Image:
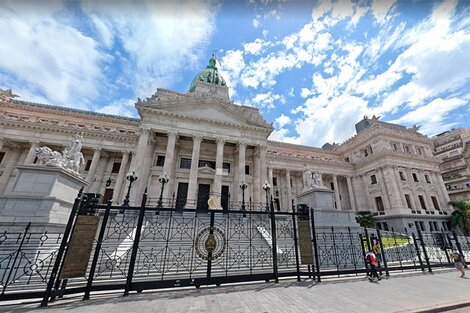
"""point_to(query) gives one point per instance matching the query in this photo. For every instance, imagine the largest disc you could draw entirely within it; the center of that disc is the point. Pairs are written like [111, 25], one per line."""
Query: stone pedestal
[41, 195]
[322, 200]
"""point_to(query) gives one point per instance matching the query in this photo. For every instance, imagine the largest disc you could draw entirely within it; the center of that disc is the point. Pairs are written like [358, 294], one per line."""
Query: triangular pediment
[225, 112]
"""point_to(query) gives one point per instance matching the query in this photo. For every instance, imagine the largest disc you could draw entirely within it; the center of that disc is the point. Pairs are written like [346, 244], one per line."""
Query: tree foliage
[460, 217]
[365, 218]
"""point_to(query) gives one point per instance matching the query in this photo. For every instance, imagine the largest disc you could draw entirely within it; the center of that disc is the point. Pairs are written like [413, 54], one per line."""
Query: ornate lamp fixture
[163, 179]
[131, 177]
[266, 188]
[243, 186]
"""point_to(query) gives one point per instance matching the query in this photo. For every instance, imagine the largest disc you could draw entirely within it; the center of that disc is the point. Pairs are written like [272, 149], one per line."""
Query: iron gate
[145, 247]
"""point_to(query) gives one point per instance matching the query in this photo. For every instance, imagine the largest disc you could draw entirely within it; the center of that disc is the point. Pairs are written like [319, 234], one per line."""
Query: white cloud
[282, 120]
[178, 29]
[381, 10]
[232, 63]
[282, 135]
[267, 100]
[121, 107]
[47, 57]
[329, 121]
[433, 116]
[255, 47]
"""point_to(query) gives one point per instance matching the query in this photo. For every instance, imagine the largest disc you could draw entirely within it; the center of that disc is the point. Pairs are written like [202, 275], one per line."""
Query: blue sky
[313, 68]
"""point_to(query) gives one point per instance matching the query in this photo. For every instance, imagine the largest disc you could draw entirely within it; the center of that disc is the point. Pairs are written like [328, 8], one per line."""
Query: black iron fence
[151, 247]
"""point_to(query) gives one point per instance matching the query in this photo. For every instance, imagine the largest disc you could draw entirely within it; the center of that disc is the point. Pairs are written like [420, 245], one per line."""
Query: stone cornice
[376, 157]
[156, 111]
[67, 130]
[305, 159]
[63, 111]
[377, 130]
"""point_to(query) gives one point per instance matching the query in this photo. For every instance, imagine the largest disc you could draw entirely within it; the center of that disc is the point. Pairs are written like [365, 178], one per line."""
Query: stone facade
[453, 148]
[207, 144]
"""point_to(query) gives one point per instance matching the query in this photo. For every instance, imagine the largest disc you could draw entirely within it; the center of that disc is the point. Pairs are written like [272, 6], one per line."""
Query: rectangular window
[185, 163]
[408, 201]
[415, 177]
[346, 159]
[421, 224]
[373, 180]
[394, 147]
[291, 185]
[274, 181]
[332, 186]
[444, 225]
[160, 160]
[379, 203]
[385, 226]
[431, 226]
[247, 170]
[435, 203]
[407, 149]
[418, 149]
[428, 180]
[402, 176]
[88, 164]
[435, 226]
[2, 155]
[379, 226]
[226, 167]
[204, 163]
[421, 201]
[116, 167]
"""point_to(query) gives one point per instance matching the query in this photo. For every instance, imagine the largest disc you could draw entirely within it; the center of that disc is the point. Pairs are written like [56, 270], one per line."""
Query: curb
[439, 308]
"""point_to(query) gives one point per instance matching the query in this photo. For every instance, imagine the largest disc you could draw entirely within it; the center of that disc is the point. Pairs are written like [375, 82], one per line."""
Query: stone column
[31, 153]
[137, 165]
[270, 176]
[263, 167]
[257, 179]
[441, 190]
[289, 192]
[11, 160]
[192, 188]
[385, 192]
[241, 168]
[169, 162]
[219, 159]
[368, 200]
[100, 173]
[337, 198]
[396, 201]
[94, 164]
[351, 193]
[121, 178]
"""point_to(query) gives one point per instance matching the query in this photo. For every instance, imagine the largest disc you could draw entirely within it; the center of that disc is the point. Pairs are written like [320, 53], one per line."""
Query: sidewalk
[409, 293]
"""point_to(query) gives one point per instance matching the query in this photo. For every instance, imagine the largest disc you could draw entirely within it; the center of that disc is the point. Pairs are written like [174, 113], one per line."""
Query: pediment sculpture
[70, 159]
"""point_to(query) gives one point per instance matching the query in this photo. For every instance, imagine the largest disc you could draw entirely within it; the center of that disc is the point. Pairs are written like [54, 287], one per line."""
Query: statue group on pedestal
[311, 179]
[70, 159]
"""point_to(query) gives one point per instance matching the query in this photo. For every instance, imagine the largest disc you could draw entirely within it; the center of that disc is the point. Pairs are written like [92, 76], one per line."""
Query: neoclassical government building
[207, 144]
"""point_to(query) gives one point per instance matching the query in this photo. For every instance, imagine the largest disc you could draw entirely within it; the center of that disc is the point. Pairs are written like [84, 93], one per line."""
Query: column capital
[145, 131]
[172, 133]
[220, 140]
[197, 138]
[97, 149]
[242, 144]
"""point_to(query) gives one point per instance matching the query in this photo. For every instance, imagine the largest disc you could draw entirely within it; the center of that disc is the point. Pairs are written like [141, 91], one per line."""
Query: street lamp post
[131, 177]
[266, 188]
[163, 179]
[243, 186]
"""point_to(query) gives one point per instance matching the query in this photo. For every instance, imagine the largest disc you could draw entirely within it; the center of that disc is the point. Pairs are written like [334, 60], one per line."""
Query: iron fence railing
[148, 247]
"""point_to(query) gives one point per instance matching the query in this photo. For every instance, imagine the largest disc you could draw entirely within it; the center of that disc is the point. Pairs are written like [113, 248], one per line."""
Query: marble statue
[311, 179]
[71, 158]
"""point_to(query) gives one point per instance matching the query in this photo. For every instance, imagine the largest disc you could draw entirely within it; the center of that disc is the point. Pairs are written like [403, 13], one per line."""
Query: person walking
[459, 262]
[372, 260]
[377, 252]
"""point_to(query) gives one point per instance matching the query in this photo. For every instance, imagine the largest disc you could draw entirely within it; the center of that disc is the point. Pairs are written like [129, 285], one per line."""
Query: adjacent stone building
[208, 145]
[453, 148]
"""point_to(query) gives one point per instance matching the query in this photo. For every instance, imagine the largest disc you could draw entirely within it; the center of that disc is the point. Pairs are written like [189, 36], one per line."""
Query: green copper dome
[208, 75]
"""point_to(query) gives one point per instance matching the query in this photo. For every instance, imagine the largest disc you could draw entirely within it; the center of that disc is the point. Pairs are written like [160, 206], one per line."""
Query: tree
[460, 218]
[365, 218]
